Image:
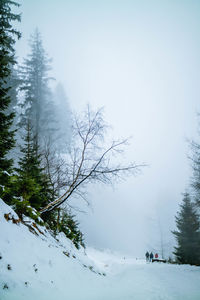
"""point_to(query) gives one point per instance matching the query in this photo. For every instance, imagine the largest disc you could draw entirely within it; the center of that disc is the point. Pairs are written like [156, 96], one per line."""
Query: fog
[140, 61]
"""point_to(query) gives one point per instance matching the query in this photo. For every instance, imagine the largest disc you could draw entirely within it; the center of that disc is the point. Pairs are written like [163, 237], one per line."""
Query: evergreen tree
[188, 233]
[37, 105]
[67, 224]
[7, 41]
[29, 187]
[33, 184]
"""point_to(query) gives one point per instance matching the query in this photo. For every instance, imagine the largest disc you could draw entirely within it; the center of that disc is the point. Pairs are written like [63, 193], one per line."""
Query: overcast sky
[140, 61]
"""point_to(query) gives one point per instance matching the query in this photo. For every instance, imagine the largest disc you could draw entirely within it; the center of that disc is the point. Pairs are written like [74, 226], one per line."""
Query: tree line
[48, 155]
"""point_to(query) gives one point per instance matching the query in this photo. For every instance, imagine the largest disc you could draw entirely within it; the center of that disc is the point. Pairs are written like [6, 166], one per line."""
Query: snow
[5, 172]
[40, 270]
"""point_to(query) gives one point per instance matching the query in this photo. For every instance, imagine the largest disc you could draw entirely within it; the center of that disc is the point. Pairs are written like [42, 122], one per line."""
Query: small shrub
[5, 286]
[67, 224]
[35, 268]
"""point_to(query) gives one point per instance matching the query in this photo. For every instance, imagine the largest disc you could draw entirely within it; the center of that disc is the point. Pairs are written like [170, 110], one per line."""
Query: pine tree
[67, 224]
[37, 105]
[188, 233]
[29, 187]
[7, 60]
[33, 184]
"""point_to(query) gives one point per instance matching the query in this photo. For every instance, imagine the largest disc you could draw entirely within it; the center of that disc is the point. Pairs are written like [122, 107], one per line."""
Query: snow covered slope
[36, 266]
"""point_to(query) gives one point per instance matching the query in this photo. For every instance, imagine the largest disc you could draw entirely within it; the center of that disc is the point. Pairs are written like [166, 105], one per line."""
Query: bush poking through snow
[66, 253]
[5, 286]
[35, 268]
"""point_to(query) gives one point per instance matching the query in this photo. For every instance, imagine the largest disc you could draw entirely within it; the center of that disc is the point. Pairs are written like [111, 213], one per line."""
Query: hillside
[34, 265]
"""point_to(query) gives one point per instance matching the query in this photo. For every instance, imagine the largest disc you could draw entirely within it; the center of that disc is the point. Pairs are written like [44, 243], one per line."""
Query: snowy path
[136, 280]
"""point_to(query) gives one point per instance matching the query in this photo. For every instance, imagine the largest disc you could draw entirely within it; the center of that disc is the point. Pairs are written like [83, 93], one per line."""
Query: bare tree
[88, 160]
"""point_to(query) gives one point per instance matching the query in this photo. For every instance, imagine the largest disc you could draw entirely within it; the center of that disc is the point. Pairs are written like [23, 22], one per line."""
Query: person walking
[151, 257]
[147, 256]
[156, 255]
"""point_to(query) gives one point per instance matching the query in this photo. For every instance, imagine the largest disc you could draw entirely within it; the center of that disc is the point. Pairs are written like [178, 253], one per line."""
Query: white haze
[140, 60]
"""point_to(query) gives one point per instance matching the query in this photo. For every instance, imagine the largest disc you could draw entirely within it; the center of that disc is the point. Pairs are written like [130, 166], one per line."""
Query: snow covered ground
[40, 267]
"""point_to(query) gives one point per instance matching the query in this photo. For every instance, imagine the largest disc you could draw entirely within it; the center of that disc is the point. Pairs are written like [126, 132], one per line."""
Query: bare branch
[89, 161]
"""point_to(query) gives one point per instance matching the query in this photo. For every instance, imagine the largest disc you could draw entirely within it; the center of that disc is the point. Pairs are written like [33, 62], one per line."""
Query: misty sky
[140, 61]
